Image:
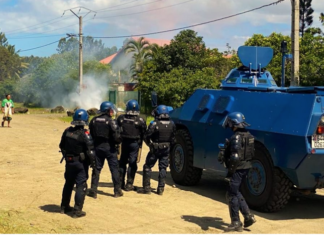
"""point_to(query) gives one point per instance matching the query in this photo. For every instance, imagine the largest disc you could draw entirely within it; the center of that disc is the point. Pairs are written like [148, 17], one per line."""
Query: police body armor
[74, 142]
[130, 127]
[241, 149]
[163, 132]
[101, 128]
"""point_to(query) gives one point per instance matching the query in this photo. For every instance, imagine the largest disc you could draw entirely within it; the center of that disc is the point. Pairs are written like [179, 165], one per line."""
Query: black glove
[140, 143]
[221, 156]
[151, 148]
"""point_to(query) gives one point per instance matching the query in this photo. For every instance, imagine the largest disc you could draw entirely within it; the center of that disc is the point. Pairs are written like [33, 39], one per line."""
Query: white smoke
[94, 92]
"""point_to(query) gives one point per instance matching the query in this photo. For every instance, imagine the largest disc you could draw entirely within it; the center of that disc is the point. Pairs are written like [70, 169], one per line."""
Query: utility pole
[80, 53]
[80, 40]
[295, 42]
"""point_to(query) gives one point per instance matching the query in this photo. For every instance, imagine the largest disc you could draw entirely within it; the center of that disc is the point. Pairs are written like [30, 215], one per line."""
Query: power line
[170, 30]
[116, 16]
[41, 46]
[14, 31]
[190, 26]
[118, 9]
[48, 36]
[9, 32]
[117, 5]
[136, 13]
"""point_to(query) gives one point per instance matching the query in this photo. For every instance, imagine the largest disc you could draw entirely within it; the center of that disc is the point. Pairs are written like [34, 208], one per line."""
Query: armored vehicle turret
[287, 122]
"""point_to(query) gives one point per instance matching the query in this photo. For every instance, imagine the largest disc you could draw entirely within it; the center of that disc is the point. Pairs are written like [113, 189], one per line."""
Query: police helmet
[235, 119]
[162, 111]
[80, 118]
[132, 107]
[106, 106]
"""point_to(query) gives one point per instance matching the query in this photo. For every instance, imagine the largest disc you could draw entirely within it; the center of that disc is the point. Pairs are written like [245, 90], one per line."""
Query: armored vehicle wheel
[266, 188]
[181, 161]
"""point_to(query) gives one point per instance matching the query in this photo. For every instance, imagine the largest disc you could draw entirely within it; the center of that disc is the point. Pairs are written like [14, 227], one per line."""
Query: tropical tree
[311, 70]
[142, 51]
[305, 15]
[321, 18]
[11, 63]
[92, 49]
[176, 70]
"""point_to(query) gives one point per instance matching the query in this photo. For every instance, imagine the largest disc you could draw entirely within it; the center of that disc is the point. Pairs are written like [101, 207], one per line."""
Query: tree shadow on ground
[214, 187]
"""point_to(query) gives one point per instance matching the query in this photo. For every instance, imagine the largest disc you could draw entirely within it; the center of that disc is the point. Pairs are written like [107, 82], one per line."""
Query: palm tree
[142, 51]
[321, 18]
[306, 18]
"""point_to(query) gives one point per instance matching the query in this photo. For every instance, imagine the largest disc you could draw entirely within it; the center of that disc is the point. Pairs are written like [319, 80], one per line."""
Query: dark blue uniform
[106, 136]
[160, 136]
[238, 158]
[133, 128]
[76, 143]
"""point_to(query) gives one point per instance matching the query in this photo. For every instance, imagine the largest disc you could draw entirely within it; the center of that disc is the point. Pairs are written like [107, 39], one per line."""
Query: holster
[71, 158]
[156, 146]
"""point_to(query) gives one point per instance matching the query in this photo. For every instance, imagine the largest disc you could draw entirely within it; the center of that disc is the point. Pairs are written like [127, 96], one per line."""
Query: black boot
[160, 190]
[145, 190]
[92, 193]
[118, 193]
[66, 209]
[249, 220]
[234, 226]
[129, 187]
[146, 181]
[122, 174]
[78, 213]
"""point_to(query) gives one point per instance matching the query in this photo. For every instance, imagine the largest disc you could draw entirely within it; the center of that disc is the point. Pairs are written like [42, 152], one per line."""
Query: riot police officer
[238, 153]
[77, 148]
[160, 136]
[106, 136]
[133, 128]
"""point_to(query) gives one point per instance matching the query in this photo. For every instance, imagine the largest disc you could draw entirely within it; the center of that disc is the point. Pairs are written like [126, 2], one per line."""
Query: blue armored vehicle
[287, 122]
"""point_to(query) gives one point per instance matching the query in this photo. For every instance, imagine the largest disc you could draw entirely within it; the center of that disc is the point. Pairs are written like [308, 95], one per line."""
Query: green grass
[12, 222]
[32, 109]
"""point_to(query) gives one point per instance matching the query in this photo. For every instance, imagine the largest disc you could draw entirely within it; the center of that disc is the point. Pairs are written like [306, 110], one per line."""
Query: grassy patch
[32, 109]
[12, 222]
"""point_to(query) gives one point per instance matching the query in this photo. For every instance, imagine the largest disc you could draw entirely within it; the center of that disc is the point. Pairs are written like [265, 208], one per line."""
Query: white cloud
[31, 12]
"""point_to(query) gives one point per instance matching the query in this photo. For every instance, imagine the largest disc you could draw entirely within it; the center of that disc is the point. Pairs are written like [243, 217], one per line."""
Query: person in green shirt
[7, 109]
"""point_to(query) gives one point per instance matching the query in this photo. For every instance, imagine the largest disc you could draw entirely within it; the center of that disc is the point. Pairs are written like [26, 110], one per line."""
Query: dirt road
[32, 181]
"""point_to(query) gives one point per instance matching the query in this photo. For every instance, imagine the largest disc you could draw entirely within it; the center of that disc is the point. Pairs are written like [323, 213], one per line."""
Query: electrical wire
[117, 5]
[109, 17]
[191, 26]
[170, 30]
[41, 46]
[10, 32]
[136, 13]
[54, 20]
[48, 36]
[138, 5]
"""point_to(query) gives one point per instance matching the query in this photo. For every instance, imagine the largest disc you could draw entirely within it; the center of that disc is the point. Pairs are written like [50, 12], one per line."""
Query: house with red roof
[121, 62]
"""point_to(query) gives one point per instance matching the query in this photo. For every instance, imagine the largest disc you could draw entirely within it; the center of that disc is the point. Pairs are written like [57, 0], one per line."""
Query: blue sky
[32, 23]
